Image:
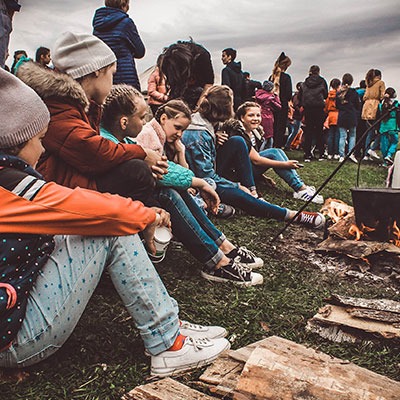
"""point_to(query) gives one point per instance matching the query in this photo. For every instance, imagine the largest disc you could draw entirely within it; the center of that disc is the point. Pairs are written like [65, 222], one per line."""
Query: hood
[262, 94]
[235, 66]
[332, 94]
[200, 124]
[106, 18]
[313, 81]
[47, 83]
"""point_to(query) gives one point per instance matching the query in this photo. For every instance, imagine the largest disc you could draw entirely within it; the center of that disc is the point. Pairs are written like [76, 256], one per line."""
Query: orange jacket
[330, 108]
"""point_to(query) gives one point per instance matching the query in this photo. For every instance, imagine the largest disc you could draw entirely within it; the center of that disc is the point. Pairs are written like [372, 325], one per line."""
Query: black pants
[132, 179]
[314, 122]
[280, 123]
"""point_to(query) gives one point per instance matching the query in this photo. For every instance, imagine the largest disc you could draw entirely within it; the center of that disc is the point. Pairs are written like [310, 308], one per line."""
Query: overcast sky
[340, 36]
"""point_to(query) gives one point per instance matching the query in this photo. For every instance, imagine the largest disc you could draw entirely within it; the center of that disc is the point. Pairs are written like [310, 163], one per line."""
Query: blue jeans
[295, 129]
[250, 204]
[333, 140]
[350, 135]
[192, 226]
[290, 176]
[64, 286]
[233, 161]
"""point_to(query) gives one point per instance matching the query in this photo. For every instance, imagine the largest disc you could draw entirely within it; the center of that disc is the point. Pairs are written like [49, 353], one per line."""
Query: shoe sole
[213, 278]
[163, 372]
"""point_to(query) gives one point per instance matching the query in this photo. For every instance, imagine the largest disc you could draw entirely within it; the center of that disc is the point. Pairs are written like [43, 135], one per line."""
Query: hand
[292, 164]
[162, 219]
[157, 163]
[222, 137]
[179, 146]
[210, 197]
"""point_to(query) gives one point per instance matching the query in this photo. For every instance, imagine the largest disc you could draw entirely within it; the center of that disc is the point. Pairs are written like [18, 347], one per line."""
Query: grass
[104, 358]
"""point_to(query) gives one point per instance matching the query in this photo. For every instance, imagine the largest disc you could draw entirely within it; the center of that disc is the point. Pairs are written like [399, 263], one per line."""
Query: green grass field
[104, 357]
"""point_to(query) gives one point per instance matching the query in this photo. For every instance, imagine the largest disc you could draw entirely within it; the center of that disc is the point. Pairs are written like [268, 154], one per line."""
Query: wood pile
[348, 319]
[276, 369]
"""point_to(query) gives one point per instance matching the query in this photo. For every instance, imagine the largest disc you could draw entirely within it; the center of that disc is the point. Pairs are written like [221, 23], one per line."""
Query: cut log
[244, 353]
[285, 370]
[165, 389]
[222, 376]
[375, 315]
[340, 317]
[374, 304]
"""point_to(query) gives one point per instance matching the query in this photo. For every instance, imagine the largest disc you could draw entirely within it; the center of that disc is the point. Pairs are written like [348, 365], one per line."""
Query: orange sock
[178, 344]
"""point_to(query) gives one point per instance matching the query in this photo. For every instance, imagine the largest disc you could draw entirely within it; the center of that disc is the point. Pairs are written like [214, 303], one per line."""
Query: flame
[358, 233]
[396, 234]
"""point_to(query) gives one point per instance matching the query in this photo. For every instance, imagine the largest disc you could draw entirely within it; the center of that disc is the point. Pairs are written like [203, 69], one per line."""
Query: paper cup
[162, 238]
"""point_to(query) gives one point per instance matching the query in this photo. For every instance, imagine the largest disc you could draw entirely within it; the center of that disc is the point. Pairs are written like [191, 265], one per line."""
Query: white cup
[162, 238]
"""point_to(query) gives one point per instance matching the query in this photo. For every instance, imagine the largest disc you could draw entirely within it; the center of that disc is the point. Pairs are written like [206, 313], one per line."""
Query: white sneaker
[367, 158]
[195, 353]
[336, 157]
[306, 195]
[341, 159]
[373, 154]
[330, 157]
[353, 158]
[199, 331]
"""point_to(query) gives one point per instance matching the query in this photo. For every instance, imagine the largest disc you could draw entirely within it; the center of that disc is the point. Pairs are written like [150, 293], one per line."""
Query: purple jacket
[269, 103]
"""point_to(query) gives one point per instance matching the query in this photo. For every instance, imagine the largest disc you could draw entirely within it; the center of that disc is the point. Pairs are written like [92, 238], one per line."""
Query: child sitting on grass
[53, 253]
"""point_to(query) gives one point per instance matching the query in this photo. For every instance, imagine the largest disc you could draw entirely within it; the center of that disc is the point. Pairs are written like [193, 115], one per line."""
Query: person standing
[312, 95]
[113, 26]
[7, 10]
[373, 96]
[250, 87]
[283, 88]
[232, 75]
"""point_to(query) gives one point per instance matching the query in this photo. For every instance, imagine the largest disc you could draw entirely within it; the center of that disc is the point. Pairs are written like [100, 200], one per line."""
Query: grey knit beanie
[22, 112]
[79, 54]
[268, 86]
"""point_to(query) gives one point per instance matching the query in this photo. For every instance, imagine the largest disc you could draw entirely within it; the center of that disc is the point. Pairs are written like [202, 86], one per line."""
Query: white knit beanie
[79, 54]
[22, 112]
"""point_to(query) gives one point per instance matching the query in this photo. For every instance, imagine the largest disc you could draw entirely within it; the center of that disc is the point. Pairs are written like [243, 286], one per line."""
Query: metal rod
[333, 173]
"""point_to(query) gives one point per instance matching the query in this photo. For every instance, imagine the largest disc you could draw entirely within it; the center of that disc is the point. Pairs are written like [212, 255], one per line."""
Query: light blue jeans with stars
[66, 283]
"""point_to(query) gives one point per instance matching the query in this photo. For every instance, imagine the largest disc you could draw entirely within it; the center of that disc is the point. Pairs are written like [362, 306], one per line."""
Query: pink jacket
[269, 103]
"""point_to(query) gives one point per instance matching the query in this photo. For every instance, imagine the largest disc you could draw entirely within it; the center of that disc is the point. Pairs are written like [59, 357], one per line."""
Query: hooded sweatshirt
[232, 76]
[313, 92]
[114, 27]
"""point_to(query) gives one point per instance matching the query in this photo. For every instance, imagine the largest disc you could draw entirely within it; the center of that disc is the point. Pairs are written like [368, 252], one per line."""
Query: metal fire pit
[377, 208]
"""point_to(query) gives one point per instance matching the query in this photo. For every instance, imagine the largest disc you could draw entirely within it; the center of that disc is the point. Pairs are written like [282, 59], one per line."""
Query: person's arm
[57, 210]
[152, 87]
[258, 160]
[225, 77]
[132, 36]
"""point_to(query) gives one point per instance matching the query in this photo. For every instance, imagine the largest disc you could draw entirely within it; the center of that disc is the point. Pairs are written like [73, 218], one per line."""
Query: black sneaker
[225, 211]
[233, 272]
[246, 257]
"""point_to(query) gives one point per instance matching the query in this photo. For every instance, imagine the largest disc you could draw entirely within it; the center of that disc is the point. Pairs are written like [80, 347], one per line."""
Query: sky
[340, 36]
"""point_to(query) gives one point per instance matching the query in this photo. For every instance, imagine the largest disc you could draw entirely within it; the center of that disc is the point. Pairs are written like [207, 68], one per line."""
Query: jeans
[290, 176]
[267, 143]
[389, 141]
[314, 120]
[192, 226]
[345, 134]
[333, 140]
[66, 283]
[233, 160]
[295, 129]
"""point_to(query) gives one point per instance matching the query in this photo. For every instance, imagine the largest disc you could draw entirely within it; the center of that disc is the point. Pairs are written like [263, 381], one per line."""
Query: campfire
[363, 232]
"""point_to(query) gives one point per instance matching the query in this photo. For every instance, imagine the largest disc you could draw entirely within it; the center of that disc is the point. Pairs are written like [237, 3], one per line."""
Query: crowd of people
[80, 156]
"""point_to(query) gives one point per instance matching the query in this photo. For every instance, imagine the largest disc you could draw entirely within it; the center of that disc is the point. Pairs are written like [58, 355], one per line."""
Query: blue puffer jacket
[114, 27]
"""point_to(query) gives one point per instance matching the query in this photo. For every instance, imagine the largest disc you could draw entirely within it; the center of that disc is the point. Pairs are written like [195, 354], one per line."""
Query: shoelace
[189, 325]
[198, 343]
[241, 268]
[244, 252]
[307, 218]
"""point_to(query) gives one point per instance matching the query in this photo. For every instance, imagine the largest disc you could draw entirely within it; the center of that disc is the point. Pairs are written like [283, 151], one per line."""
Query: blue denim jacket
[199, 140]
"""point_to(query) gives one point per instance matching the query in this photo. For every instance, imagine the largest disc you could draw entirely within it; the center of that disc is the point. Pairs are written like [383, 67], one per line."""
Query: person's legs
[132, 179]
[295, 129]
[189, 231]
[319, 119]
[342, 140]
[308, 133]
[250, 204]
[393, 142]
[290, 176]
[384, 144]
[351, 138]
[234, 155]
[68, 280]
